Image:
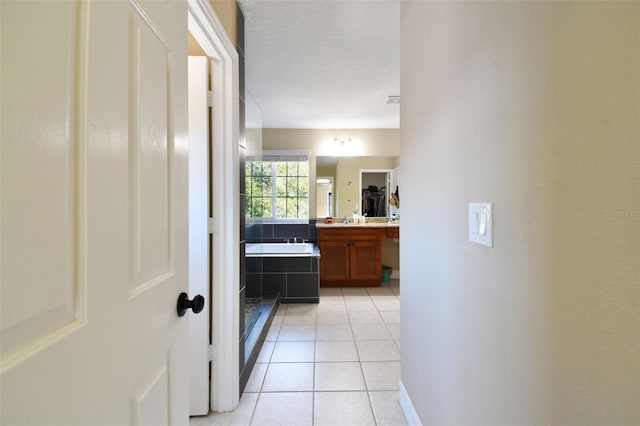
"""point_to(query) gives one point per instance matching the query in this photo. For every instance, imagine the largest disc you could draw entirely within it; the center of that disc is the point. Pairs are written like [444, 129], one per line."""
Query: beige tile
[241, 416]
[386, 408]
[279, 316]
[266, 352]
[301, 308]
[284, 409]
[354, 291]
[397, 342]
[394, 329]
[293, 352]
[342, 409]
[333, 317]
[272, 335]
[338, 376]
[365, 318]
[390, 317]
[282, 309]
[360, 306]
[387, 305]
[333, 332]
[256, 378]
[390, 298]
[331, 305]
[370, 332]
[297, 333]
[277, 320]
[379, 291]
[377, 350]
[353, 299]
[288, 377]
[381, 375]
[300, 319]
[336, 350]
[330, 291]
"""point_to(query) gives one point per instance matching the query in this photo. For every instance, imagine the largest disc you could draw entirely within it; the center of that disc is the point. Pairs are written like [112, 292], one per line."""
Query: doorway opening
[222, 218]
[374, 192]
[324, 196]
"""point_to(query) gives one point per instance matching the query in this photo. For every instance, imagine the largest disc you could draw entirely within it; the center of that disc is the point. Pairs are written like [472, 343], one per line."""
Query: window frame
[279, 157]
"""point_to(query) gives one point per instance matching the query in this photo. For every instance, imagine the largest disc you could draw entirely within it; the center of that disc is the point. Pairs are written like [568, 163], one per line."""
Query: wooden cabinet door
[334, 260]
[365, 260]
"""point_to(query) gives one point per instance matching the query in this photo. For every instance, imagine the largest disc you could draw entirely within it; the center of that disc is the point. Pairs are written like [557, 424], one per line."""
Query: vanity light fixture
[341, 140]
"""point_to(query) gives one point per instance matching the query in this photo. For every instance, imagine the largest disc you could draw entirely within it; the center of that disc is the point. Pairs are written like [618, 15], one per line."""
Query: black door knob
[196, 305]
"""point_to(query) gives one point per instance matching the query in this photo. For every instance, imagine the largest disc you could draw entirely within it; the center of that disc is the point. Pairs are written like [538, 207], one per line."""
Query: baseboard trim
[410, 414]
[395, 274]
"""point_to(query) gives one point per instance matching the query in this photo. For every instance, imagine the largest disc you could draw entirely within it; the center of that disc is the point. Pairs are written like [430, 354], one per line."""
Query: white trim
[410, 414]
[387, 171]
[207, 29]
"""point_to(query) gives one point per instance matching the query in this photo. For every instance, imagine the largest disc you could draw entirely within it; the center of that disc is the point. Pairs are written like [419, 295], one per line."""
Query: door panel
[199, 280]
[95, 220]
[365, 260]
[39, 177]
[334, 261]
[150, 147]
[150, 400]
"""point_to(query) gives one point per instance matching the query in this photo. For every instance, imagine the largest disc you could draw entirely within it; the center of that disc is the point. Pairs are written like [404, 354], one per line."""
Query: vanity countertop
[340, 224]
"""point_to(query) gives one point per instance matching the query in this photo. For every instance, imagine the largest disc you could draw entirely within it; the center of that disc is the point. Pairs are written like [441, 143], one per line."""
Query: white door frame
[207, 29]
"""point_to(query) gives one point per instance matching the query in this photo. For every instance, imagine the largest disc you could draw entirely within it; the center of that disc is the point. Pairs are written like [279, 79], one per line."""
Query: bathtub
[279, 249]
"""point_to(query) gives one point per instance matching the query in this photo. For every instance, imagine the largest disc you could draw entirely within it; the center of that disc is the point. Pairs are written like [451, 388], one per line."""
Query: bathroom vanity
[351, 254]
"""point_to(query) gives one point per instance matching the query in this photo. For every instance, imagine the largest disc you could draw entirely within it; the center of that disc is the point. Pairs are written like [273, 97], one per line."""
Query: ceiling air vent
[392, 100]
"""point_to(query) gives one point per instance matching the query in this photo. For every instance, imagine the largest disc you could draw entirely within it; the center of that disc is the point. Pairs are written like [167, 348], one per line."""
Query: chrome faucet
[346, 219]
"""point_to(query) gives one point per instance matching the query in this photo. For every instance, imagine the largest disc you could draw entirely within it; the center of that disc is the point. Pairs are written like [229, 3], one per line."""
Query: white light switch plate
[481, 223]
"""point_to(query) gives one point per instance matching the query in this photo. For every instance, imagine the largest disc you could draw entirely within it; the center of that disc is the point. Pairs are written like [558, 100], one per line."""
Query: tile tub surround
[279, 232]
[296, 278]
[311, 370]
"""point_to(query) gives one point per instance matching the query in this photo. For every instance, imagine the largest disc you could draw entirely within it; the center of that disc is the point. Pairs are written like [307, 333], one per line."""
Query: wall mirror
[341, 181]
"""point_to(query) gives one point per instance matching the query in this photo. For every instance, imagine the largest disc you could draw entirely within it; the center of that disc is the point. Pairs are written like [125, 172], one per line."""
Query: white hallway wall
[534, 106]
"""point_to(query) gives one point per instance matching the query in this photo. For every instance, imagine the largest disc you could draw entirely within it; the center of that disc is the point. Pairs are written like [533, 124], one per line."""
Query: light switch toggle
[481, 223]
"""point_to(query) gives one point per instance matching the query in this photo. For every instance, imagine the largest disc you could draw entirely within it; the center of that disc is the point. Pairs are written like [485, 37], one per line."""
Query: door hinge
[210, 353]
[211, 99]
[213, 226]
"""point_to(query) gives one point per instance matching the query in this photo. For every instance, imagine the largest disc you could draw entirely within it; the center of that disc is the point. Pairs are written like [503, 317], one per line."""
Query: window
[278, 186]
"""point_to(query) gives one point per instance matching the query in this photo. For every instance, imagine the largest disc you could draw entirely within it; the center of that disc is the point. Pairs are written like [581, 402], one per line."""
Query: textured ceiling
[323, 64]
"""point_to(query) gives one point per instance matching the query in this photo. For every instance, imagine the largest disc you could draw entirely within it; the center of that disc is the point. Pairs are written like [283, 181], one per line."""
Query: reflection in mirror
[374, 187]
[345, 172]
[324, 196]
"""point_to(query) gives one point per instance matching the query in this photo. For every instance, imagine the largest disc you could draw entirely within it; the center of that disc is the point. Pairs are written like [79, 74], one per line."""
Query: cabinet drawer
[393, 232]
[349, 234]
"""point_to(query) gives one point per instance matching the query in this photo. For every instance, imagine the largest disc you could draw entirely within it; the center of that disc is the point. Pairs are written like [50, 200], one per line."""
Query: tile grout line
[352, 339]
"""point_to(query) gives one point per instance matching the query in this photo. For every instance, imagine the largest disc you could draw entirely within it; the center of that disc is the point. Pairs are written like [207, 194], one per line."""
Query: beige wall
[193, 47]
[348, 180]
[534, 106]
[326, 171]
[367, 142]
[391, 254]
[227, 12]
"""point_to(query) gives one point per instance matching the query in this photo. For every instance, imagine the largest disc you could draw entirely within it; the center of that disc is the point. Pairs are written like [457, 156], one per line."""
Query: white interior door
[93, 214]
[199, 233]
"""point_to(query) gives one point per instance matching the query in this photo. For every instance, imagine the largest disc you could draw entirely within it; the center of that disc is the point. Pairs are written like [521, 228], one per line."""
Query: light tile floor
[334, 363]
